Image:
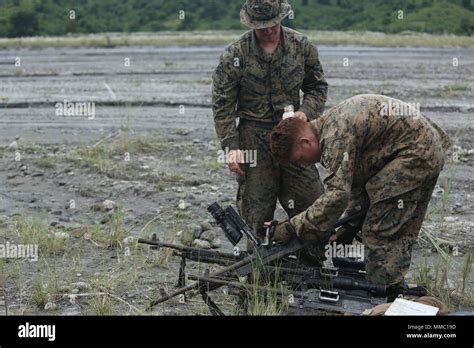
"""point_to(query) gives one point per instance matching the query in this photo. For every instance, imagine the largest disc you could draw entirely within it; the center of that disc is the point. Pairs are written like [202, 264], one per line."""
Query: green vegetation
[112, 234]
[453, 90]
[22, 18]
[43, 293]
[263, 298]
[46, 162]
[35, 231]
[114, 158]
[436, 279]
[115, 230]
[213, 165]
[101, 301]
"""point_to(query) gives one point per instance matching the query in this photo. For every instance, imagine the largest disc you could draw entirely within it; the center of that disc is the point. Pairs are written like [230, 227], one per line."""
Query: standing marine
[267, 69]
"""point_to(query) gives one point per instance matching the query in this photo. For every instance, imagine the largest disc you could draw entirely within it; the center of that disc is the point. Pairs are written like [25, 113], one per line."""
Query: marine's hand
[236, 158]
[284, 232]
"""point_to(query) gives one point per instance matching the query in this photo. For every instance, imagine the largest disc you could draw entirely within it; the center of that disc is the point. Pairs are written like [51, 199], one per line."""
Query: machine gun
[340, 288]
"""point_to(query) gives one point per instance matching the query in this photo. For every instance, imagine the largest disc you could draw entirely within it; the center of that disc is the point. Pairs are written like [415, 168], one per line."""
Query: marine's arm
[225, 90]
[315, 87]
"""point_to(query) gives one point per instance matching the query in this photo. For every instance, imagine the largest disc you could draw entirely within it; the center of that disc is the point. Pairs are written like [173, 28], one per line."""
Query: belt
[257, 124]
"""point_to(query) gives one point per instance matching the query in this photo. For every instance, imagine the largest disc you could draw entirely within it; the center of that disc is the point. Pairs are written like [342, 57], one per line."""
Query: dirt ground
[151, 150]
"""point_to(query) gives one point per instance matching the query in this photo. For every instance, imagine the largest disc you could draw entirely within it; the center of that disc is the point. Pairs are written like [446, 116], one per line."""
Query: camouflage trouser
[295, 187]
[390, 230]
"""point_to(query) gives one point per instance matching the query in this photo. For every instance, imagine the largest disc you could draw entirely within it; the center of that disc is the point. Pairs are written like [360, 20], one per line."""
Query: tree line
[60, 17]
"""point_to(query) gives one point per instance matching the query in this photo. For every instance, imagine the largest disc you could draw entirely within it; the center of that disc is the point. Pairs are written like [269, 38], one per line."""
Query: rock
[216, 243]
[182, 205]
[206, 226]
[64, 288]
[50, 306]
[451, 218]
[60, 235]
[105, 219]
[54, 223]
[108, 205]
[82, 286]
[211, 145]
[74, 291]
[71, 311]
[203, 244]
[96, 207]
[188, 158]
[195, 229]
[451, 285]
[12, 165]
[186, 237]
[57, 212]
[37, 174]
[128, 240]
[4, 220]
[13, 145]
[196, 141]
[456, 251]
[208, 236]
[438, 191]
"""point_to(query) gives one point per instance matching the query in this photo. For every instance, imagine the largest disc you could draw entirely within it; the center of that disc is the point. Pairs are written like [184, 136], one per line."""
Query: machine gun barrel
[195, 254]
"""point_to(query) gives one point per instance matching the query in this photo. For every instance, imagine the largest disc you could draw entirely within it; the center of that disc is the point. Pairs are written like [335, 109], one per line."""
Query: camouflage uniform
[383, 159]
[256, 87]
